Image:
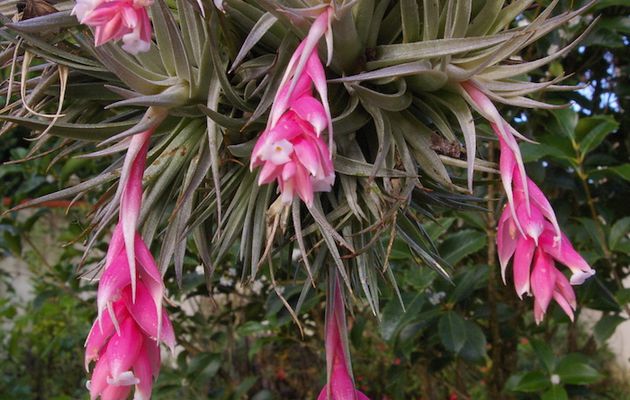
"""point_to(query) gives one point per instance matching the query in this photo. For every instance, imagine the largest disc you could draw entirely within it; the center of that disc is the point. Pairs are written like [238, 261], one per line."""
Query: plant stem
[495, 383]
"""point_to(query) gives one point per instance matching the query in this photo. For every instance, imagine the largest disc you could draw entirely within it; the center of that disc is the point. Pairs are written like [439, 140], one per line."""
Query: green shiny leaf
[452, 330]
[605, 328]
[575, 370]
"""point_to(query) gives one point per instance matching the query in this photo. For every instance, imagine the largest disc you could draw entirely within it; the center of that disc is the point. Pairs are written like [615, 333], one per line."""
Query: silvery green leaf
[256, 33]
[406, 52]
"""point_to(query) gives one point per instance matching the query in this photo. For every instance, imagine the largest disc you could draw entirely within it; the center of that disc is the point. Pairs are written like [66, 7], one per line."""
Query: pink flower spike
[564, 304]
[316, 71]
[307, 47]
[151, 278]
[340, 385]
[507, 236]
[311, 110]
[122, 352]
[100, 333]
[117, 19]
[564, 289]
[131, 197]
[543, 283]
[540, 200]
[564, 252]
[484, 105]
[144, 372]
[98, 383]
[523, 256]
[153, 354]
[507, 164]
[115, 392]
[532, 224]
[143, 310]
[113, 280]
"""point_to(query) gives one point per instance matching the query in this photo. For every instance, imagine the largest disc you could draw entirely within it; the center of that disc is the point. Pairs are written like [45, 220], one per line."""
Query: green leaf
[556, 392]
[575, 370]
[622, 170]
[395, 317]
[410, 17]
[591, 131]
[556, 146]
[544, 354]
[401, 53]
[566, 120]
[462, 244]
[91, 132]
[618, 231]
[474, 348]
[605, 328]
[452, 330]
[528, 382]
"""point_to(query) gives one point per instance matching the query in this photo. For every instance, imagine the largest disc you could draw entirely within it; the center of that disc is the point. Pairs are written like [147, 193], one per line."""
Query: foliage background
[471, 338]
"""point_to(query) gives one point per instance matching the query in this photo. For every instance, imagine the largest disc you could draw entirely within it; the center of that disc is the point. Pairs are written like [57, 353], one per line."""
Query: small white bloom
[280, 289]
[83, 7]
[574, 21]
[436, 298]
[309, 332]
[264, 322]
[226, 281]
[555, 379]
[522, 22]
[257, 287]
[50, 178]
[553, 49]
[296, 255]
[231, 272]
[278, 152]
[132, 43]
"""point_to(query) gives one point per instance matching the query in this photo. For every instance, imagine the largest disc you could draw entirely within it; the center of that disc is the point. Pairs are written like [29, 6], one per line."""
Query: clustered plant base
[274, 125]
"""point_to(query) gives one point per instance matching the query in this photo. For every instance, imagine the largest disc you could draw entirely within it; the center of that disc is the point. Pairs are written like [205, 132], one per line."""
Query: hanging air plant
[281, 124]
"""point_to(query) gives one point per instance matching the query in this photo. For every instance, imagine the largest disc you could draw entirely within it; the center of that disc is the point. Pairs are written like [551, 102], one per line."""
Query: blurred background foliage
[466, 339]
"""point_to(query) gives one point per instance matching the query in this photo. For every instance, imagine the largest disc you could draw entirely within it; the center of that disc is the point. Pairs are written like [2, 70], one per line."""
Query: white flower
[226, 281]
[278, 152]
[522, 22]
[231, 272]
[436, 298]
[132, 43]
[574, 21]
[309, 332]
[555, 379]
[83, 7]
[553, 49]
[257, 287]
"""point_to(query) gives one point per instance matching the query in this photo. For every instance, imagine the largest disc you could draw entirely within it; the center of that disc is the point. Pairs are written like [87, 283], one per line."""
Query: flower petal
[507, 236]
[523, 255]
[122, 351]
[100, 333]
[543, 281]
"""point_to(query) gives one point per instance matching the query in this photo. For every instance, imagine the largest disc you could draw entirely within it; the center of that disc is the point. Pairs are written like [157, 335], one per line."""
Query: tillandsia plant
[235, 132]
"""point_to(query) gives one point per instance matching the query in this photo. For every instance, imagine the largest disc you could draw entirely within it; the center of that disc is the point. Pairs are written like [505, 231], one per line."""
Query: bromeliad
[291, 149]
[528, 229]
[119, 19]
[340, 384]
[124, 340]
